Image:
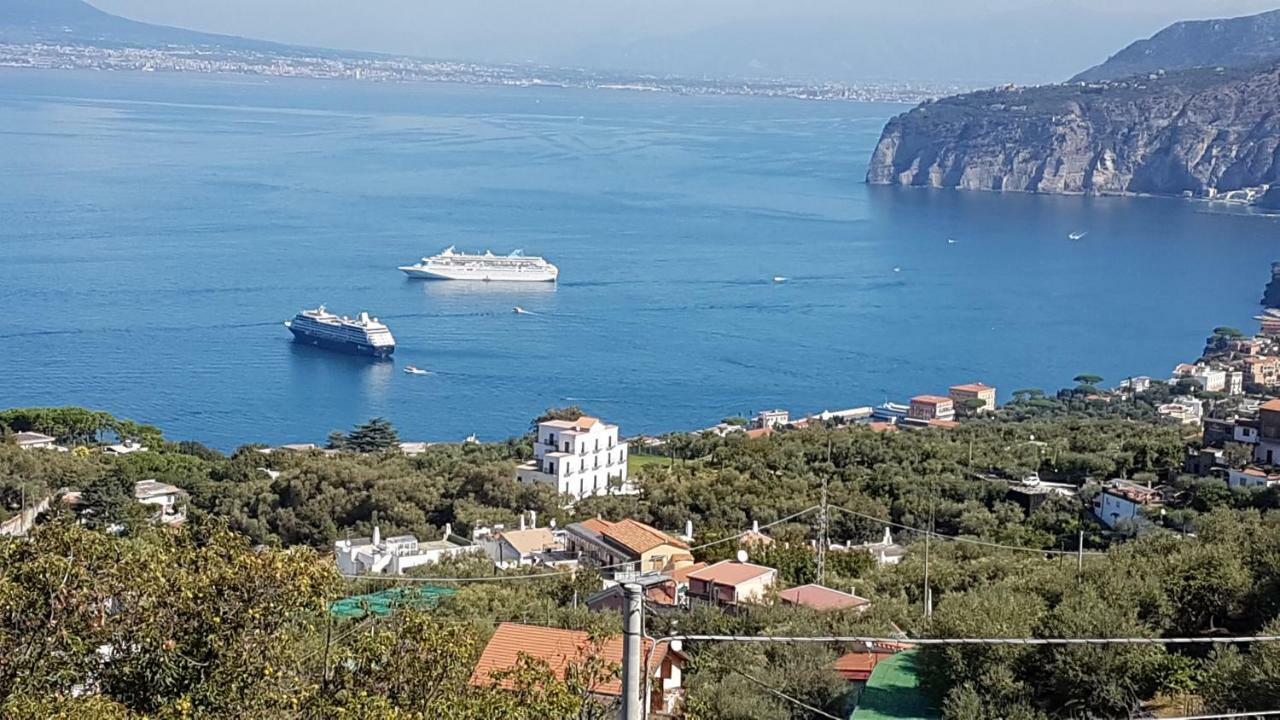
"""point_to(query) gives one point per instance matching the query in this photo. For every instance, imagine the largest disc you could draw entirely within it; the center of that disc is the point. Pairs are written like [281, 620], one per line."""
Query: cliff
[1193, 132]
[1232, 42]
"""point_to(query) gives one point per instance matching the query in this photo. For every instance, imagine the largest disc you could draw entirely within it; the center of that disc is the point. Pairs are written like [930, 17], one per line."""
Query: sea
[157, 230]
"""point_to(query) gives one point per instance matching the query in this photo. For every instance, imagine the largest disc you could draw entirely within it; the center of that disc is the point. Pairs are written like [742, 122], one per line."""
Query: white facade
[1185, 409]
[771, 419]
[1121, 501]
[1235, 383]
[167, 498]
[582, 458]
[375, 556]
[1209, 379]
[1251, 477]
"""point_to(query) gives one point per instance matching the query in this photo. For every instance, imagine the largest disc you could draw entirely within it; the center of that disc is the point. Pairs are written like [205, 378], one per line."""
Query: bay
[156, 230]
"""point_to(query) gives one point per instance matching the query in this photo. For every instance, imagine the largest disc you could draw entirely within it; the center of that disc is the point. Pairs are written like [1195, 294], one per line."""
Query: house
[414, 449]
[974, 391]
[125, 447]
[565, 649]
[1245, 431]
[886, 551]
[1267, 449]
[1235, 382]
[375, 556]
[1263, 371]
[843, 417]
[1122, 500]
[516, 548]
[36, 441]
[1246, 346]
[757, 433]
[169, 501]
[1205, 461]
[771, 419]
[730, 583]
[582, 458]
[1252, 477]
[1218, 431]
[931, 407]
[1185, 409]
[660, 591]
[626, 547]
[1270, 322]
[1210, 379]
[817, 597]
[1138, 384]
[753, 538]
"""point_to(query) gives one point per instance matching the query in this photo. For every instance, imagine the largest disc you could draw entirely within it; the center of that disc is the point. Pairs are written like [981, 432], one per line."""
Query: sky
[962, 41]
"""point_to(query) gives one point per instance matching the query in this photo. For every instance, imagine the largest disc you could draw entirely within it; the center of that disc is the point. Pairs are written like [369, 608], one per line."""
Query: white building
[36, 441]
[1235, 383]
[885, 552]
[1184, 409]
[1208, 378]
[582, 458]
[124, 448]
[375, 556]
[1251, 477]
[169, 500]
[1142, 383]
[1122, 501]
[771, 419]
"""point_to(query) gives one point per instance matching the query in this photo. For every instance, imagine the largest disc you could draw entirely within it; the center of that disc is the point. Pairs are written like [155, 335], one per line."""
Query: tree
[1237, 455]
[570, 412]
[1228, 332]
[737, 420]
[1087, 379]
[377, 435]
[970, 407]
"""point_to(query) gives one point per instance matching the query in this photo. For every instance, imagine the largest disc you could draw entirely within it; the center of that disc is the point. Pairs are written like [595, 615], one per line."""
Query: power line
[829, 639]
[779, 694]
[1225, 716]
[559, 573]
[959, 539]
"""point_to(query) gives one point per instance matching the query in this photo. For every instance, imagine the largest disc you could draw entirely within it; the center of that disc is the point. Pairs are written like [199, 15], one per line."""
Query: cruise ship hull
[343, 346]
[480, 274]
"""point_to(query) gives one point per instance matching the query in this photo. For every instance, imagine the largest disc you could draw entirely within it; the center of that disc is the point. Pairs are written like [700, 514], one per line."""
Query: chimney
[377, 535]
[448, 530]
[888, 537]
[688, 529]
[522, 521]
[755, 526]
[533, 519]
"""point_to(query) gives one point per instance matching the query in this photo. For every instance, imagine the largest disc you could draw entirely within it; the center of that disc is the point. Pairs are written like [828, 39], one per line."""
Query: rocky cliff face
[1197, 132]
[1232, 42]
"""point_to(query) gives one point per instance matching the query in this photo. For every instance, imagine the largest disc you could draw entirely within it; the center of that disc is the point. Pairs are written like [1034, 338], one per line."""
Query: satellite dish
[742, 556]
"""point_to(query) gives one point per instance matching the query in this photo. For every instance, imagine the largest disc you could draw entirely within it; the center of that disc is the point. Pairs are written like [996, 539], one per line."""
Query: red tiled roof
[633, 535]
[586, 422]
[558, 648]
[731, 573]
[759, 433]
[929, 400]
[857, 666]
[821, 598]
[1271, 405]
[883, 426]
[681, 575]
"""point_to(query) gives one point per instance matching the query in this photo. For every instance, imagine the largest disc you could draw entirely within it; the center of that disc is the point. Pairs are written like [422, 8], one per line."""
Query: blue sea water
[156, 230]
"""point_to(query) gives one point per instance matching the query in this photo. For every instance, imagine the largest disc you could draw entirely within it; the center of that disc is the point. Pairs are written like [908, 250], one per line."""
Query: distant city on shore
[331, 65]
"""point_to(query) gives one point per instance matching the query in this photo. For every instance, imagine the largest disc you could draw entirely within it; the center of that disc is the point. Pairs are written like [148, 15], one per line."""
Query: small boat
[520, 311]
[951, 241]
[410, 369]
[897, 269]
[1077, 235]
[779, 279]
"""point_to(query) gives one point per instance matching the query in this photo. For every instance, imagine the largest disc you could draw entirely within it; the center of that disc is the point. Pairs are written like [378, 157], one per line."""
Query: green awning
[388, 601]
[893, 692]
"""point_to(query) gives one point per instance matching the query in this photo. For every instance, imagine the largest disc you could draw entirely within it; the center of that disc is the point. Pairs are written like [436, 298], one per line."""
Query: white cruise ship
[363, 335]
[451, 265]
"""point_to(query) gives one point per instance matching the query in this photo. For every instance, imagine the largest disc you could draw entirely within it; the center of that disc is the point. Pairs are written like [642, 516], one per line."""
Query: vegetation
[201, 625]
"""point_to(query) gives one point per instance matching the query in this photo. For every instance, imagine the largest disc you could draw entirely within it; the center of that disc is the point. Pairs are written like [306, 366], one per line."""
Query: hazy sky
[961, 40]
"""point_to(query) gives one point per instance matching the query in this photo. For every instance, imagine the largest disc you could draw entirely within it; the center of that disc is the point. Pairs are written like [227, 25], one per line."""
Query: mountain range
[1191, 111]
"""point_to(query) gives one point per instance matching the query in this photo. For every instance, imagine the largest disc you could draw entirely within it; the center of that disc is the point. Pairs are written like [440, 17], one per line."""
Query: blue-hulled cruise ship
[362, 335]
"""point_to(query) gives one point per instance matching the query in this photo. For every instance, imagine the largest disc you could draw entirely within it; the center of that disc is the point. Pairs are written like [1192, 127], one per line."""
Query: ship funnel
[364, 318]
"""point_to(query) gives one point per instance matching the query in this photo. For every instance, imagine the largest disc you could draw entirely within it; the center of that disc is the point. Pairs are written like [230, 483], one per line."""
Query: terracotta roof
[857, 666]
[632, 535]
[930, 400]
[759, 433]
[681, 575]
[529, 541]
[729, 572]
[821, 598]
[943, 423]
[972, 387]
[883, 426]
[1271, 405]
[586, 422]
[558, 648]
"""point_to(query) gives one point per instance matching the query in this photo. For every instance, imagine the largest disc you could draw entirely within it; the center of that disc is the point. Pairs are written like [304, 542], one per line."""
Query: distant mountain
[77, 22]
[1207, 127]
[1231, 42]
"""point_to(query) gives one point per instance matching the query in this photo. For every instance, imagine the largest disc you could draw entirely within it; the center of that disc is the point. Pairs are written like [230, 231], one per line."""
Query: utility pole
[928, 592]
[632, 652]
[1080, 558]
[823, 542]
